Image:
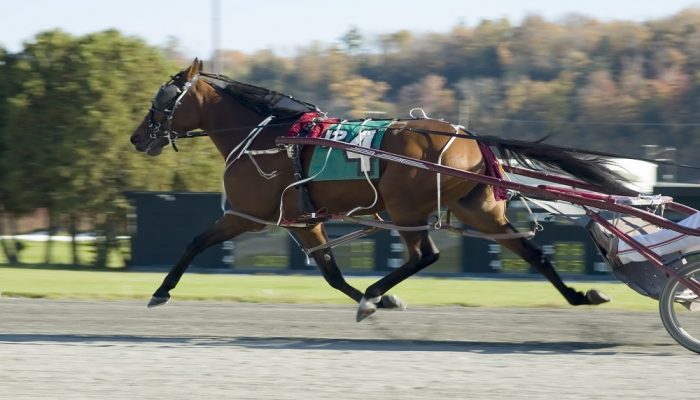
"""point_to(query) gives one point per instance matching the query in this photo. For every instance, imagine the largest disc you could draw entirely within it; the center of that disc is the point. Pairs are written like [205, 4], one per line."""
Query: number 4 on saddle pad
[343, 165]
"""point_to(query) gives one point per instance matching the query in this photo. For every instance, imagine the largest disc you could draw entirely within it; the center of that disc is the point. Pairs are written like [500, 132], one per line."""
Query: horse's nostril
[134, 139]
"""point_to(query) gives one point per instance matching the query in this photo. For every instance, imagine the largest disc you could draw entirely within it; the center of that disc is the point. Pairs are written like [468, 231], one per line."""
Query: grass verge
[417, 291]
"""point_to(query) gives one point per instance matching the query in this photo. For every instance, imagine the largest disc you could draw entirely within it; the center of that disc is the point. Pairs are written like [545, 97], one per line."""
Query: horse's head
[172, 111]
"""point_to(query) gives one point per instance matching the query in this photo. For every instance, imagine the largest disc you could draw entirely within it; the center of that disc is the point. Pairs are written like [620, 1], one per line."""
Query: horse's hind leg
[316, 236]
[228, 227]
[479, 210]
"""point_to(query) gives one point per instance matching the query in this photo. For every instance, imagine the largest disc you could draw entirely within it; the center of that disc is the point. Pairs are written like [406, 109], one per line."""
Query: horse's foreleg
[228, 227]
[316, 236]
[421, 253]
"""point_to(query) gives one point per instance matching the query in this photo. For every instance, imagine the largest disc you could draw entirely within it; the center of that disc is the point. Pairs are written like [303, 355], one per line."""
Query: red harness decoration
[493, 169]
[312, 124]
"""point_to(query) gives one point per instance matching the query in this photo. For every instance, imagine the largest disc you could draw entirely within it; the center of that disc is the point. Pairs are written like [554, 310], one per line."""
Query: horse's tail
[591, 169]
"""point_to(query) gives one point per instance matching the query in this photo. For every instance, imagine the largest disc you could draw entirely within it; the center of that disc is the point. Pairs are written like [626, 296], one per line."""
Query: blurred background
[619, 76]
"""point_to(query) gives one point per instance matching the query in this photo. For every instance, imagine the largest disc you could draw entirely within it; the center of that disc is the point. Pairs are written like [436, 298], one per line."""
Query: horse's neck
[229, 123]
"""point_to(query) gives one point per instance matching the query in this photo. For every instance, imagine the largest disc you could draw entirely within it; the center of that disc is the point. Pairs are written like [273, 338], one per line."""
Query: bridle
[165, 102]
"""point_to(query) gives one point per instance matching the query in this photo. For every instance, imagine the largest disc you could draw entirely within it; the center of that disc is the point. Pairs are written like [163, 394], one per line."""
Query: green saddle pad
[344, 165]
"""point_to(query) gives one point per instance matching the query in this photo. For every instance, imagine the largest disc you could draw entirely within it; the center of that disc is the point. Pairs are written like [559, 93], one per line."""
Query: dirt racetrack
[196, 350]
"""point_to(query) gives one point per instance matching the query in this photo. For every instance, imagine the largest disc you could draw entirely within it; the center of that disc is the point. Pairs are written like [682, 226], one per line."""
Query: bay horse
[192, 100]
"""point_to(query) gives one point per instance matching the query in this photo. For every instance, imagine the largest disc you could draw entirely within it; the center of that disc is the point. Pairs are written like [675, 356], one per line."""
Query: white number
[334, 134]
[363, 139]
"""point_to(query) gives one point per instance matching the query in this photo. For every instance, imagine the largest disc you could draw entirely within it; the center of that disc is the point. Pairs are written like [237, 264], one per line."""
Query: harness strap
[265, 222]
[307, 205]
[237, 152]
[304, 180]
[420, 114]
[438, 223]
[365, 163]
[245, 143]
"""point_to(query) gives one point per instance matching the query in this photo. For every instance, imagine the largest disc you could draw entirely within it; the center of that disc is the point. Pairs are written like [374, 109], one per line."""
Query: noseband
[165, 102]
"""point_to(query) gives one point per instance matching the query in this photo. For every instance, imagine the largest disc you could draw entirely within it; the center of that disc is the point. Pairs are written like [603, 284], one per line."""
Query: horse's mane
[261, 100]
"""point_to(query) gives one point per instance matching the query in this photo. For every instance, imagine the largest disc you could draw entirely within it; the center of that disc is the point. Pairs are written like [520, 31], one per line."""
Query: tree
[431, 95]
[235, 63]
[481, 100]
[536, 48]
[359, 97]
[397, 42]
[353, 41]
[108, 105]
[5, 91]
[487, 52]
[68, 124]
[7, 84]
[34, 157]
[269, 70]
[309, 69]
[536, 108]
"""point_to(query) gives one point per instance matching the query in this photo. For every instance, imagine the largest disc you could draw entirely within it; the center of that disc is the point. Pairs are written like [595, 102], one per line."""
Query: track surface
[193, 350]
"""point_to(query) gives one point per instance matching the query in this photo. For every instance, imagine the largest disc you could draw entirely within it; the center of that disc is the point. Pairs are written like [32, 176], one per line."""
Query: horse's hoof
[392, 302]
[157, 301]
[595, 297]
[366, 308]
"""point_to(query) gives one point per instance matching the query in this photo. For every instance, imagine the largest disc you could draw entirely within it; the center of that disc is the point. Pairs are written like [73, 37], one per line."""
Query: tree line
[68, 103]
[612, 86]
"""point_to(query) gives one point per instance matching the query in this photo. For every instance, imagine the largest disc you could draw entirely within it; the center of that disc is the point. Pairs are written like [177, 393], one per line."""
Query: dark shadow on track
[332, 344]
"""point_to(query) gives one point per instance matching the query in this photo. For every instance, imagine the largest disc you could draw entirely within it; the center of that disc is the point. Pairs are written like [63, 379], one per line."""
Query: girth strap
[305, 202]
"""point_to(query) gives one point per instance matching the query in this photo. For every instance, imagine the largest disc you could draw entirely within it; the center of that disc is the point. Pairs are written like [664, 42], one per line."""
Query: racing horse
[192, 100]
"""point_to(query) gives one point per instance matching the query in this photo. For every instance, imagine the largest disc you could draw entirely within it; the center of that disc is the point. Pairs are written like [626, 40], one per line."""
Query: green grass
[109, 285]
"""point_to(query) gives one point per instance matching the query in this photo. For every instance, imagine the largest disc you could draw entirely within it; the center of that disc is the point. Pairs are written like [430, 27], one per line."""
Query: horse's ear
[201, 65]
[194, 68]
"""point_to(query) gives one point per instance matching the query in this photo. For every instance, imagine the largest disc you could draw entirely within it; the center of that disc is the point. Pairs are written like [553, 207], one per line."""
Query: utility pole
[216, 36]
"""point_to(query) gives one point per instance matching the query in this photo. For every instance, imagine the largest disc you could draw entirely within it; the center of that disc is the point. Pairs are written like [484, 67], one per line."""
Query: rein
[306, 105]
[486, 139]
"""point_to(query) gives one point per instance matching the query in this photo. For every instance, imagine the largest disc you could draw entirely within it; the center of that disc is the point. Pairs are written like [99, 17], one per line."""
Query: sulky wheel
[680, 309]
